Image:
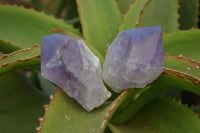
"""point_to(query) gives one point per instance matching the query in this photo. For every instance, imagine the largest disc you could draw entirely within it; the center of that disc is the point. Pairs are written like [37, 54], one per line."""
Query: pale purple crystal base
[69, 63]
[134, 59]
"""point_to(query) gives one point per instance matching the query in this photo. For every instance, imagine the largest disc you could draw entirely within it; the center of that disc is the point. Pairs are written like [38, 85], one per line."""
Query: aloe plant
[30, 103]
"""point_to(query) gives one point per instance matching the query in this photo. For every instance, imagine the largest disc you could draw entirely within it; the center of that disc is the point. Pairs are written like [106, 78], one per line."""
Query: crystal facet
[134, 59]
[69, 63]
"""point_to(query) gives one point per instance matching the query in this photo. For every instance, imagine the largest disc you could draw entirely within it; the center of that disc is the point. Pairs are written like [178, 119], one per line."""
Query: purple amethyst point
[69, 63]
[134, 59]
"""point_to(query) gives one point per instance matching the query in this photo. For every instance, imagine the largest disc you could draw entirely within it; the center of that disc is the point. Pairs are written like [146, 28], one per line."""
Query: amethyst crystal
[134, 59]
[69, 63]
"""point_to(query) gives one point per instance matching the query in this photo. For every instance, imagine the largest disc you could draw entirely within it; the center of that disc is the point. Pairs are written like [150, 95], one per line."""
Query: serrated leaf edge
[18, 51]
[141, 12]
[108, 115]
[118, 7]
[184, 105]
[174, 100]
[183, 58]
[185, 76]
[81, 16]
[104, 123]
[41, 119]
[176, 20]
[197, 20]
[20, 60]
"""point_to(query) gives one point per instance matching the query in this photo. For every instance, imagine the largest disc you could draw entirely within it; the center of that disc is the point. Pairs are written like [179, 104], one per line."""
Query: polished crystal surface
[134, 59]
[69, 63]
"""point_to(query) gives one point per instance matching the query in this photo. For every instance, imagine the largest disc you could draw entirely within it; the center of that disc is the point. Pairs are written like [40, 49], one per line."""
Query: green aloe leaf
[71, 117]
[20, 105]
[161, 115]
[7, 47]
[170, 78]
[25, 27]
[180, 72]
[100, 19]
[183, 42]
[184, 65]
[139, 99]
[181, 80]
[188, 14]
[29, 57]
[132, 17]
[163, 13]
